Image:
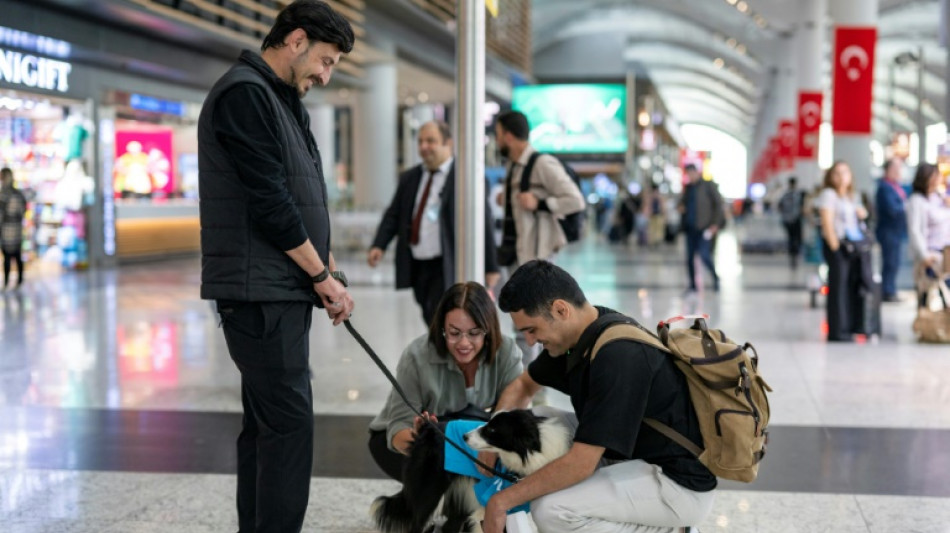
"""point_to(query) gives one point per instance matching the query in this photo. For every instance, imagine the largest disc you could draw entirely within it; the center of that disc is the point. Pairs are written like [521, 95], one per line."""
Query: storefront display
[143, 165]
[42, 140]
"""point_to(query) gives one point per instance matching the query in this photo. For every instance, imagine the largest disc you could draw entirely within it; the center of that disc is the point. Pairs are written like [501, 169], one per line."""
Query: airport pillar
[810, 37]
[323, 127]
[374, 136]
[853, 65]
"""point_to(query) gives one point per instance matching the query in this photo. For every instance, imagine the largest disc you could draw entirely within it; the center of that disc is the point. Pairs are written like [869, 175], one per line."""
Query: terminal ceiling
[713, 63]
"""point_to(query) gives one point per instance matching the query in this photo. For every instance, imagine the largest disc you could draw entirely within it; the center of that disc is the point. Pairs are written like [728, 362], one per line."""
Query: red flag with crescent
[809, 122]
[854, 79]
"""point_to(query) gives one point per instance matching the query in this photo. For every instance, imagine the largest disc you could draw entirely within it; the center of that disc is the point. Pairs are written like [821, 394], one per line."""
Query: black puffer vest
[237, 261]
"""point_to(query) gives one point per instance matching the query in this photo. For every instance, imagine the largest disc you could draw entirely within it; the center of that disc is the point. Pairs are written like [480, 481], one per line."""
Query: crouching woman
[457, 370]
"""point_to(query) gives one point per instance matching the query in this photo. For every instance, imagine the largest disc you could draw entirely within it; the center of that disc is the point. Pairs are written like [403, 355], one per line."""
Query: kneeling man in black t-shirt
[619, 475]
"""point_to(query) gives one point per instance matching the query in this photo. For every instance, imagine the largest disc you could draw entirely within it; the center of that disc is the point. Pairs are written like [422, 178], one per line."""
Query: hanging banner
[809, 123]
[772, 157]
[853, 79]
[788, 141]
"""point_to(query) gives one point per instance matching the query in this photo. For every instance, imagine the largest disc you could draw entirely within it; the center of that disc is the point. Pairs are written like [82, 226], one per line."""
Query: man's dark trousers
[428, 285]
[794, 230]
[695, 243]
[890, 261]
[269, 343]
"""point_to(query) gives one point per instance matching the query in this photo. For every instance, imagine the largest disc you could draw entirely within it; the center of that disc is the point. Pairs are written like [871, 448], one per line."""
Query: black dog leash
[349, 327]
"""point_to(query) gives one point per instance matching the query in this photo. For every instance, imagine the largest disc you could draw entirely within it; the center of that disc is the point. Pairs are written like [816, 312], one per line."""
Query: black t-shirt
[626, 382]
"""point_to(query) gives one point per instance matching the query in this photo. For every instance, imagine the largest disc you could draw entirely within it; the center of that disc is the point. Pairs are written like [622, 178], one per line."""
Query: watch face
[341, 277]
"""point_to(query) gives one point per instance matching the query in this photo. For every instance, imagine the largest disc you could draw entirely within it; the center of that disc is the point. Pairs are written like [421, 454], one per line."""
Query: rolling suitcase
[871, 311]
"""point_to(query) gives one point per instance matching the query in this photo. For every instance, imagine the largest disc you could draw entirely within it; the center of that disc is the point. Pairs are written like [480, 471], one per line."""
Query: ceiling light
[718, 62]
[742, 6]
[731, 42]
[643, 118]
[732, 2]
[740, 49]
[423, 97]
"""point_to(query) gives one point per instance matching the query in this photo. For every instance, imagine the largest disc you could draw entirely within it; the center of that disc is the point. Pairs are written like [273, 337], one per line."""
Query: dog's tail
[393, 514]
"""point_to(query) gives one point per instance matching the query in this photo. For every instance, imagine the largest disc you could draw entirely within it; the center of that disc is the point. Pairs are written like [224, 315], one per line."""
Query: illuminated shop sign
[25, 40]
[35, 72]
[156, 105]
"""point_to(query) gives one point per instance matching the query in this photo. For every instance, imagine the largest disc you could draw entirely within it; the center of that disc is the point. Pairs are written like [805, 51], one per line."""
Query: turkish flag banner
[809, 122]
[854, 79]
[772, 156]
[787, 143]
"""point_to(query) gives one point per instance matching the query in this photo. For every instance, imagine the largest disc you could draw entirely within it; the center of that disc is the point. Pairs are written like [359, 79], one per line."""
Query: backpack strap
[526, 173]
[630, 330]
[525, 186]
[674, 436]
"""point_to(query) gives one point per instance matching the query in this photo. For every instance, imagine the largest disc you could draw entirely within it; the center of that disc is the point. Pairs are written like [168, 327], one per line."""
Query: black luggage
[763, 246]
[871, 311]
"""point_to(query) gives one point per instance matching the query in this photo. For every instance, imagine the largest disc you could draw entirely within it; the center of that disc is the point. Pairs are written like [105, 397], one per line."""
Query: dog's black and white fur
[524, 443]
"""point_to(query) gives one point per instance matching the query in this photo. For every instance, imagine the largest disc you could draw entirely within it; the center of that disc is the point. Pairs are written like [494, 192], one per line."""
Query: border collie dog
[524, 443]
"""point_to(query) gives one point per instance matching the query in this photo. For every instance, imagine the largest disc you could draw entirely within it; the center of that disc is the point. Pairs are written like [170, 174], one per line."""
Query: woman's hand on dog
[403, 439]
[418, 421]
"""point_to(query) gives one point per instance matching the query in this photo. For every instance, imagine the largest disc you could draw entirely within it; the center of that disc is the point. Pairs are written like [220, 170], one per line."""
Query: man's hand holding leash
[336, 299]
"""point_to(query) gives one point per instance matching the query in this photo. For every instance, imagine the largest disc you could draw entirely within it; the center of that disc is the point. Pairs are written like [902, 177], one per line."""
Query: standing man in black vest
[265, 247]
[422, 216]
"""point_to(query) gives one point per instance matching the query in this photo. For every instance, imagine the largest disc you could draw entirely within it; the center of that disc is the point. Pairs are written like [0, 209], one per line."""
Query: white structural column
[786, 101]
[810, 40]
[855, 149]
[375, 126]
[470, 147]
[766, 121]
[323, 126]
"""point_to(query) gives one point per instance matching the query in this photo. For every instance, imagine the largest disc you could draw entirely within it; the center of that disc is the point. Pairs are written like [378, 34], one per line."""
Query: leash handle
[392, 379]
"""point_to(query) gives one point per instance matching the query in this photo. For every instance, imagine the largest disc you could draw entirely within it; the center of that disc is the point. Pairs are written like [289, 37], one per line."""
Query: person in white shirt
[841, 215]
[928, 225]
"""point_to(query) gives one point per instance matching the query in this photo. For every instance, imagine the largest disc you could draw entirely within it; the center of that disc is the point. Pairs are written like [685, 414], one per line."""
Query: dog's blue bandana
[458, 463]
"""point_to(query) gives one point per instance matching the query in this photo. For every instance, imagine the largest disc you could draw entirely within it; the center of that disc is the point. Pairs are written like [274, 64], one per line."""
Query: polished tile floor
[119, 404]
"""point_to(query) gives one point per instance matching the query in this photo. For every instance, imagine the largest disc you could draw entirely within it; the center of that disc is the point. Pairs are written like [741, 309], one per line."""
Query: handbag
[933, 316]
[506, 254]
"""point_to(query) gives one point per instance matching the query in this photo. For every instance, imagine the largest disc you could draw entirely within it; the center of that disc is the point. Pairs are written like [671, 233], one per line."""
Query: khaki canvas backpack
[726, 390]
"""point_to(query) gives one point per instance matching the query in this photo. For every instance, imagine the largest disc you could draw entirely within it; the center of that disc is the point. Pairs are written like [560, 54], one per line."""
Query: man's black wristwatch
[341, 277]
[337, 275]
[321, 277]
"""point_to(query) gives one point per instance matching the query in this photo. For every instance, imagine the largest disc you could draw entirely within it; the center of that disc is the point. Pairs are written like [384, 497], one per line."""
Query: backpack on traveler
[727, 392]
[790, 205]
[572, 224]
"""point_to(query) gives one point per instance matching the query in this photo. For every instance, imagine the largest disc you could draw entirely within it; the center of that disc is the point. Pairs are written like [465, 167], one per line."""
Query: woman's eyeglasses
[453, 336]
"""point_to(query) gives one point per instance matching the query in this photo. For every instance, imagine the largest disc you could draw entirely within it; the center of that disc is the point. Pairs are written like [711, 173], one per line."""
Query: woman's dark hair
[921, 182]
[515, 123]
[534, 287]
[474, 299]
[317, 19]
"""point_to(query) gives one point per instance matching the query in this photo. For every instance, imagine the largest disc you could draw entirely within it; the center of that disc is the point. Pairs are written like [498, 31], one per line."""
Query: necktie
[417, 218]
[508, 226]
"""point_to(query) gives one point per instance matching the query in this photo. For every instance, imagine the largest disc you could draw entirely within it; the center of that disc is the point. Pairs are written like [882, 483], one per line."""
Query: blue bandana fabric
[458, 463]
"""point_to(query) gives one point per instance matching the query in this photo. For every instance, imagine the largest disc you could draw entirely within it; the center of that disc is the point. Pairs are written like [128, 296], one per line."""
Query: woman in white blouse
[928, 224]
[841, 217]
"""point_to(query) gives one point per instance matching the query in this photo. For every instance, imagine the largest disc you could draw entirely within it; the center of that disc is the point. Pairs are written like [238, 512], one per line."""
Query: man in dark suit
[891, 226]
[422, 216]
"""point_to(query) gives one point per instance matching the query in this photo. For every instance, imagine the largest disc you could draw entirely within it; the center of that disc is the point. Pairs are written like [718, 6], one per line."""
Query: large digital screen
[575, 118]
